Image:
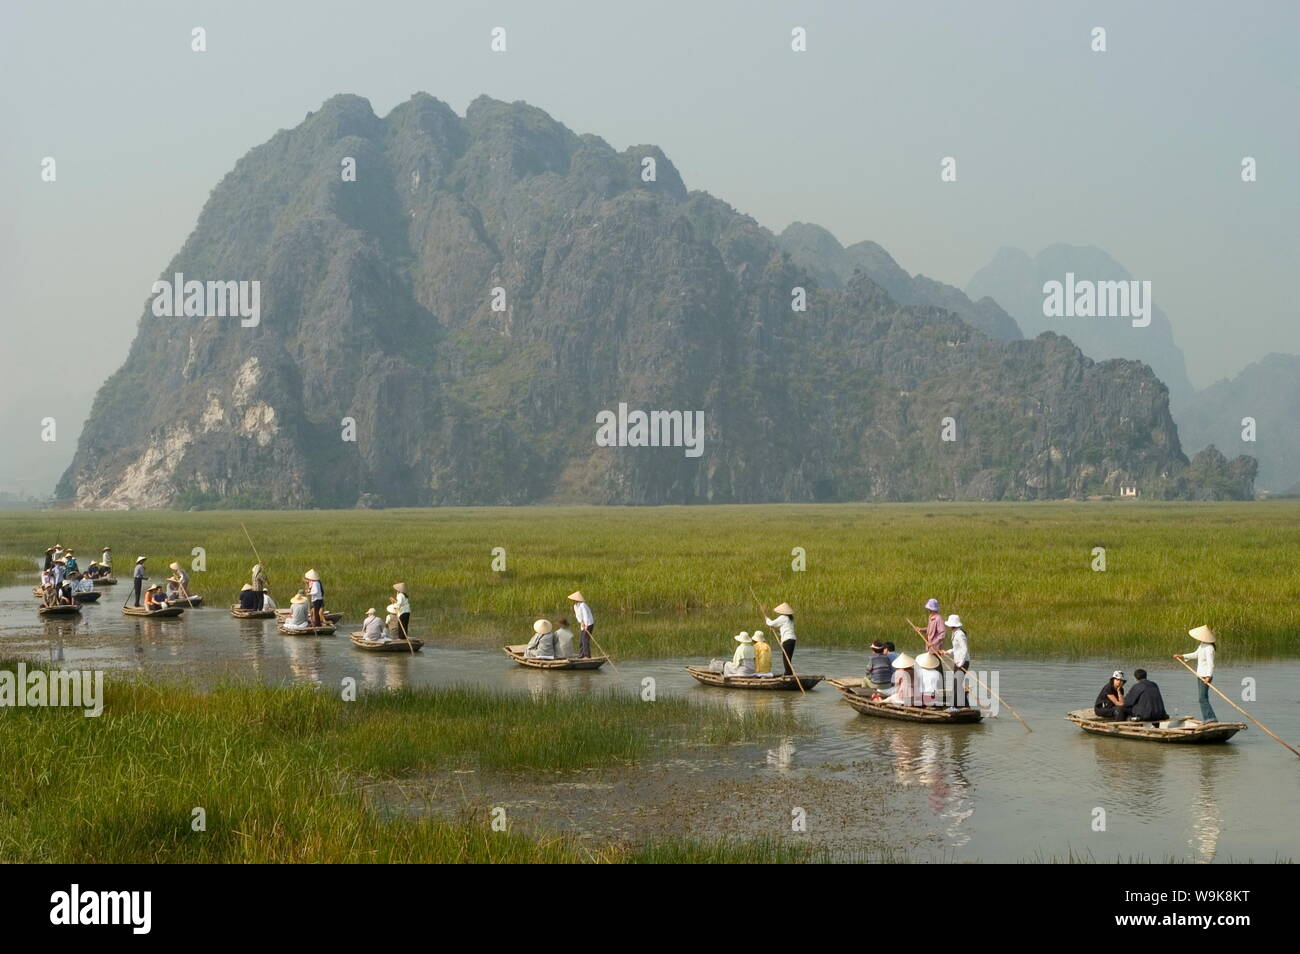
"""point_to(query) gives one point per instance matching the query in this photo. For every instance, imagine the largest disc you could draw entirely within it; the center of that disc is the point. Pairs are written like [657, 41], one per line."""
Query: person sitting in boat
[70, 562]
[299, 612]
[268, 602]
[316, 597]
[563, 639]
[762, 656]
[80, 584]
[249, 599]
[47, 585]
[1143, 702]
[155, 598]
[929, 679]
[742, 661]
[542, 645]
[1204, 656]
[880, 670]
[94, 571]
[934, 631]
[1111, 698]
[393, 622]
[784, 625]
[960, 654]
[904, 693]
[373, 629]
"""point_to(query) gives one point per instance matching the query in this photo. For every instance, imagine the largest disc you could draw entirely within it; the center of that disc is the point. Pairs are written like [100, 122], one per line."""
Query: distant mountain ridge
[380, 320]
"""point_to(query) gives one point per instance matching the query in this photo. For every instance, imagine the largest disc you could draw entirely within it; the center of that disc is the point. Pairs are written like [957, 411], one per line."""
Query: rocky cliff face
[490, 284]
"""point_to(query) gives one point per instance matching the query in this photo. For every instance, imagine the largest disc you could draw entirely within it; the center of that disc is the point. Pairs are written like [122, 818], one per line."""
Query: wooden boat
[1166, 731]
[87, 597]
[572, 662]
[393, 646]
[187, 602]
[62, 609]
[710, 678]
[238, 613]
[332, 617]
[171, 612]
[855, 694]
[105, 581]
[309, 631]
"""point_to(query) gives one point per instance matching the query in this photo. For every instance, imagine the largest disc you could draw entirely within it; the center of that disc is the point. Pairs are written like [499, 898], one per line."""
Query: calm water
[990, 792]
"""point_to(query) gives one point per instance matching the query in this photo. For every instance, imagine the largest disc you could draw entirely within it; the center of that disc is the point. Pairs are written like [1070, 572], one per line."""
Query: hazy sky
[1136, 150]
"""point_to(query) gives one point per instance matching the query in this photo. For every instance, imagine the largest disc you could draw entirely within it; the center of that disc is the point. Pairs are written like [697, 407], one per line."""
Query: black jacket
[1144, 702]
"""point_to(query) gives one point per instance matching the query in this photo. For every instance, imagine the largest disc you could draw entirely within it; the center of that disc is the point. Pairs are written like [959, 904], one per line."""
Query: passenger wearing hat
[393, 623]
[586, 622]
[249, 598]
[1144, 703]
[762, 655]
[82, 584]
[259, 583]
[316, 595]
[934, 631]
[1111, 698]
[904, 687]
[929, 680]
[542, 645]
[155, 598]
[60, 571]
[71, 562]
[137, 578]
[880, 671]
[299, 610]
[373, 629]
[742, 662]
[960, 654]
[784, 625]
[179, 582]
[1204, 657]
[403, 609]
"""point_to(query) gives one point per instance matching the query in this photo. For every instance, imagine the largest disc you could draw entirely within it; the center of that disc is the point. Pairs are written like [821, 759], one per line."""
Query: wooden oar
[980, 683]
[592, 637]
[777, 636]
[1239, 708]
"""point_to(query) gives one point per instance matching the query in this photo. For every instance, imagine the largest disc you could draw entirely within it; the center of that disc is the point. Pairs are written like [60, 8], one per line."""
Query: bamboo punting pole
[777, 636]
[1239, 708]
[980, 682]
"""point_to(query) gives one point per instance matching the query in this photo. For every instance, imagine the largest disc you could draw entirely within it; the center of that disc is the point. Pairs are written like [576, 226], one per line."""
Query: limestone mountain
[446, 328]
[1015, 280]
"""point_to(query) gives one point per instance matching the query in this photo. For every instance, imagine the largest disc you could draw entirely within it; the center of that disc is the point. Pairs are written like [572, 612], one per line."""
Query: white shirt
[106, 559]
[403, 604]
[1204, 660]
[960, 649]
[373, 629]
[582, 612]
[931, 682]
[784, 625]
[315, 591]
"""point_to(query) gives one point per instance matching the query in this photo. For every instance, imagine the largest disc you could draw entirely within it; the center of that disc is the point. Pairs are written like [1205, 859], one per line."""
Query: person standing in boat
[137, 578]
[178, 583]
[403, 609]
[762, 656]
[563, 639]
[934, 631]
[58, 552]
[316, 595]
[299, 612]
[373, 629]
[784, 626]
[49, 558]
[1144, 703]
[880, 669]
[1204, 657]
[258, 584]
[106, 561]
[60, 571]
[742, 662]
[542, 645]
[1111, 698]
[586, 622]
[960, 654]
[904, 693]
[929, 682]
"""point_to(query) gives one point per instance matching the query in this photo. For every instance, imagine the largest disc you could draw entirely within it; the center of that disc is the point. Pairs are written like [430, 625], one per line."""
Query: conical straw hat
[311, 575]
[904, 661]
[1202, 634]
[577, 596]
[925, 661]
[542, 627]
[783, 609]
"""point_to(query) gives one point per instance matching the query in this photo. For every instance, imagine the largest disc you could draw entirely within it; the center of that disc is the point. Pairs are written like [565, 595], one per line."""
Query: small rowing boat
[1177, 731]
[710, 678]
[332, 617]
[105, 581]
[170, 612]
[572, 662]
[238, 613]
[87, 597]
[62, 609]
[853, 692]
[386, 646]
[188, 602]
[309, 631]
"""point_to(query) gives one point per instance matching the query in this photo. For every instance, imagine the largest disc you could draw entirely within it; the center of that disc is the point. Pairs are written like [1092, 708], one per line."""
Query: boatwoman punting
[784, 626]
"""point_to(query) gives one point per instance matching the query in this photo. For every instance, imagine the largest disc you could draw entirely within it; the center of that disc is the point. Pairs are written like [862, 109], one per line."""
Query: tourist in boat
[258, 585]
[373, 629]
[586, 622]
[1111, 698]
[880, 669]
[49, 558]
[742, 661]
[154, 598]
[1143, 702]
[70, 562]
[58, 552]
[60, 571]
[1204, 656]
[929, 679]
[250, 599]
[762, 656]
[542, 645]
[904, 693]
[784, 626]
[563, 639]
[316, 596]
[80, 584]
[934, 631]
[137, 578]
[94, 571]
[960, 654]
[268, 602]
[403, 609]
[299, 612]
[891, 652]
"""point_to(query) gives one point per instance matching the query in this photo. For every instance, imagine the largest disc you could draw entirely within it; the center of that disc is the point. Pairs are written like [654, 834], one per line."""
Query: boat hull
[396, 646]
[860, 699]
[760, 683]
[238, 613]
[573, 662]
[171, 612]
[309, 631]
[63, 609]
[1208, 734]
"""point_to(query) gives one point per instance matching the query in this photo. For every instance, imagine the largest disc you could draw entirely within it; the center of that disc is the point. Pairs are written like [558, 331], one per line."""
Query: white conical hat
[925, 661]
[743, 638]
[311, 575]
[400, 587]
[1202, 634]
[542, 627]
[904, 661]
[140, 559]
[173, 566]
[783, 609]
[759, 635]
[577, 596]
